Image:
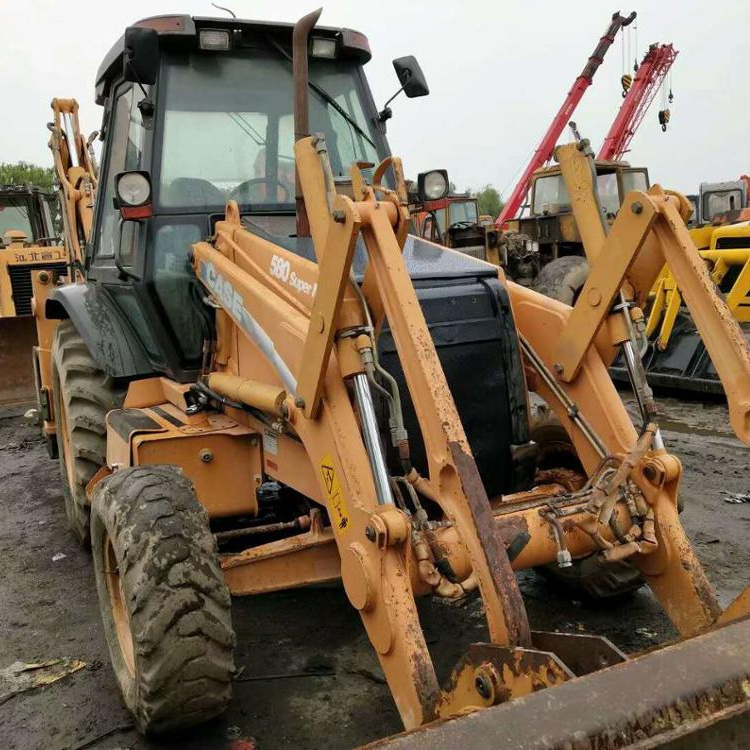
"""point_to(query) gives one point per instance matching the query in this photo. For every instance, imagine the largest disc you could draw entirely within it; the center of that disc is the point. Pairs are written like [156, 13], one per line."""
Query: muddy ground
[309, 677]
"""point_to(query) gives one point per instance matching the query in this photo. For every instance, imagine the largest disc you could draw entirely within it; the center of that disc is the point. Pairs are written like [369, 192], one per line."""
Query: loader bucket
[691, 694]
[17, 339]
[683, 366]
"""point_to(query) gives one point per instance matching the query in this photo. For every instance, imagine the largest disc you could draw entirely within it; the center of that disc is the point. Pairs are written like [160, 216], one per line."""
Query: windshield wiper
[326, 97]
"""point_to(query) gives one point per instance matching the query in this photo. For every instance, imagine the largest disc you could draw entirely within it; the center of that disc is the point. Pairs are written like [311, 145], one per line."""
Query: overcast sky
[498, 71]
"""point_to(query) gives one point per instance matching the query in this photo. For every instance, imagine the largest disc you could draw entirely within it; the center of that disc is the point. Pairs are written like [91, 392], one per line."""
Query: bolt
[206, 455]
[299, 402]
[558, 368]
[637, 207]
[43, 277]
[484, 686]
[370, 533]
[339, 216]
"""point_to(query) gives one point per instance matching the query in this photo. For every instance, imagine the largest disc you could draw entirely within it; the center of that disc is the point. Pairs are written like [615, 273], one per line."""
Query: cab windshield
[228, 128]
[460, 212]
[551, 195]
[14, 214]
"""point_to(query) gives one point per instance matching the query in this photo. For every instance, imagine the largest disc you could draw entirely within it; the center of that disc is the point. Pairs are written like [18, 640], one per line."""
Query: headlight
[433, 185]
[216, 40]
[133, 188]
[322, 47]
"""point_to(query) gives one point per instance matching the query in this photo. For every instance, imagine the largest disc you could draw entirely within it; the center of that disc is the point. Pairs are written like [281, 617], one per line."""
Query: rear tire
[562, 279]
[164, 603]
[82, 394]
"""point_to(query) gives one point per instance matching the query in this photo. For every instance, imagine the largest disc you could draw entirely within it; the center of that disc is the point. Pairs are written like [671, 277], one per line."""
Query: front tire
[82, 394]
[164, 603]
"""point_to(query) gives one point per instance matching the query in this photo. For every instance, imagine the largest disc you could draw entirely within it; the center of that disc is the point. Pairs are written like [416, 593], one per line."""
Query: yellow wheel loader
[313, 395]
[27, 245]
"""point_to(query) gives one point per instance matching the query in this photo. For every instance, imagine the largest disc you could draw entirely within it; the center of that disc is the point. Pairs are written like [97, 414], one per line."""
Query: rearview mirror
[413, 83]
[140, 60]
[410, 76]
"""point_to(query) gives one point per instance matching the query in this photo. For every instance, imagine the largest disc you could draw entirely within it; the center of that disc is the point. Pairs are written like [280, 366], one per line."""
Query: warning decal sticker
[336, 503]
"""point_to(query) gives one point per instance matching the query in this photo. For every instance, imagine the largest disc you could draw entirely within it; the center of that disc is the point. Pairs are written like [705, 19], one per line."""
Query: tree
[489, 201]
[23, 173]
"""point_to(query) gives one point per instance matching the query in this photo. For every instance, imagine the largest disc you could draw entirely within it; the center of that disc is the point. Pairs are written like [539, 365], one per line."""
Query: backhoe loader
[27, 245]
[32, 258]
[312, 395]
[76, 182]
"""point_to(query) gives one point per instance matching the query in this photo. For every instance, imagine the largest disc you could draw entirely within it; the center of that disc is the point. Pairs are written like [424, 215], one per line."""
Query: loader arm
[312, 351]
[649, 231]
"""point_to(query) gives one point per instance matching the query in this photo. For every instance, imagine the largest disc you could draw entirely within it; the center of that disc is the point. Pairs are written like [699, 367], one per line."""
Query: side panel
[106, 332]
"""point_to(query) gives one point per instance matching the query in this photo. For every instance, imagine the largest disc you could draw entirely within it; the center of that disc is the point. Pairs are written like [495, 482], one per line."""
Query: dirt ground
[308, 675]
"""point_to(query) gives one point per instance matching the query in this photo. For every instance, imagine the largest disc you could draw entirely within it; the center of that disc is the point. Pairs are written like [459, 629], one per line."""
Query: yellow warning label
[336, 502]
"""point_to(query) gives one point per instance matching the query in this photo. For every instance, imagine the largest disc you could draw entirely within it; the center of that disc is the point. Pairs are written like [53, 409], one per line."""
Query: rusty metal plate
[582, 654]
[692, 694]
[488, 674]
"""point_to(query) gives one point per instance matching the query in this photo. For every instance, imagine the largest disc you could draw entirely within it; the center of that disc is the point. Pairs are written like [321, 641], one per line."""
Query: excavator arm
[76, 176]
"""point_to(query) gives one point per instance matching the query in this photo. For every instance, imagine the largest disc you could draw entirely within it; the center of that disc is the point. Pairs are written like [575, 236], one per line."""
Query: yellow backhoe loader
[27, 244]
[76, 182]
[312, 395]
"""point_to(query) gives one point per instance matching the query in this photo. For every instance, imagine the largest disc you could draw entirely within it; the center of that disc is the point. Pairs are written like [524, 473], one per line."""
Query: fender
[102, 326]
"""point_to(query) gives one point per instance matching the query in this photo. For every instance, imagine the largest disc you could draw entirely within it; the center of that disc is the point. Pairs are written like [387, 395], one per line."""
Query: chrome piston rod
[371, 435]
[70, 137]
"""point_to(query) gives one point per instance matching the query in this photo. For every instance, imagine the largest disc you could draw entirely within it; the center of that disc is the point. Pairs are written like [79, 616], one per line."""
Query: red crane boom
[544, 151]
[649, 77]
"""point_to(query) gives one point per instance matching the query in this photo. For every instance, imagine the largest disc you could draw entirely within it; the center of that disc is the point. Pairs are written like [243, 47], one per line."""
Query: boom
[76, 176]
[649, 77]
[543, 152]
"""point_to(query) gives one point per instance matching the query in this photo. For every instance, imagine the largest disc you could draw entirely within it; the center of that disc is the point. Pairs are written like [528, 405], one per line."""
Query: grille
[20, 282]
[732, 243]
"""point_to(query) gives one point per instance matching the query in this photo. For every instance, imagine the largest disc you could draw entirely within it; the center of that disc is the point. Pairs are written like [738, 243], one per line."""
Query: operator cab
[200, 111]
[208, 116]
[26, 210]
[614, 181]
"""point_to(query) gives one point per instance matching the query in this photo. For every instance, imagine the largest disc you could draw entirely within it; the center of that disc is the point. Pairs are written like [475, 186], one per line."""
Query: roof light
[322, 47]
[217, 40]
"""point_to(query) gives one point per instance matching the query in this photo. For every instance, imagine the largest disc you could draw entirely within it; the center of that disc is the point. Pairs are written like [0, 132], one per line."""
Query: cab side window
[126, 137]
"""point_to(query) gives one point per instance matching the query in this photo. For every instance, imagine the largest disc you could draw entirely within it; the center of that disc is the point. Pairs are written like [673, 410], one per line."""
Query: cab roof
[182, 31]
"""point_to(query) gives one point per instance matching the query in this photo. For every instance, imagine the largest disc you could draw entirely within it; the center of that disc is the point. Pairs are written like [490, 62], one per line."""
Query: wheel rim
[117, 606]
[62, 420]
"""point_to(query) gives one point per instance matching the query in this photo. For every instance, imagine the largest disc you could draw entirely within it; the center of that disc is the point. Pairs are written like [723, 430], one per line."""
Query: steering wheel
[242, 192]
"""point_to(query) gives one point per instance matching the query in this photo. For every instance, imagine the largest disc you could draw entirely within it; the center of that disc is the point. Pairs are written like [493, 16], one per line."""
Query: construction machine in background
[546, 147]
[548, 226]
[33, 257]
[676, 356]
[314, 395]
[76, 182]
[28, 244]
[454, 222]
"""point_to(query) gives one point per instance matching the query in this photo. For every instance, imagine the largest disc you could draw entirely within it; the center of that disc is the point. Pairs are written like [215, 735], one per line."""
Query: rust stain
[504, 579]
